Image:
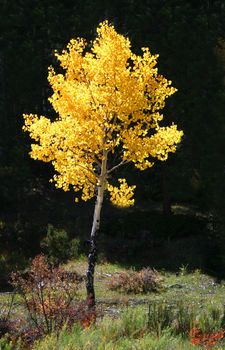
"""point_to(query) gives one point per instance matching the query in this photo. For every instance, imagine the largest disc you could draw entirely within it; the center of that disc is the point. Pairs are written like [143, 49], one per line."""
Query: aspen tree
[108, 103]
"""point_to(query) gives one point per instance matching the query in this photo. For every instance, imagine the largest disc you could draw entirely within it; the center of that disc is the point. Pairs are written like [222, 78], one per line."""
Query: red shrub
[205, 339]
[144, 281]
[48, 295]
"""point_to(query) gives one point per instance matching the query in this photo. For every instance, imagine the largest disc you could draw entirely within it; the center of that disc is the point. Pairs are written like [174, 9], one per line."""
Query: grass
[133, 328]
[192, 286]
[129, 332]
[129, 323]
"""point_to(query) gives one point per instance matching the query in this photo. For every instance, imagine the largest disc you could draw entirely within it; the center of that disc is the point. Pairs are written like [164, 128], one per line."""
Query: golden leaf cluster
[108, 101]
[122, 196]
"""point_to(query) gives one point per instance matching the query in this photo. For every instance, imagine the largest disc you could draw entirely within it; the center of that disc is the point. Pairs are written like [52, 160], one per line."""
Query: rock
[176, 285]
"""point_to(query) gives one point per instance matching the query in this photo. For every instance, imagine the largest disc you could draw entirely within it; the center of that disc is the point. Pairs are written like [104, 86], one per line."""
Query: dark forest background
[178, 218]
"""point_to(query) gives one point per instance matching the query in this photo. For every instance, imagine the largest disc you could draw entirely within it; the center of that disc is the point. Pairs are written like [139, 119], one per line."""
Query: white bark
[94, 232]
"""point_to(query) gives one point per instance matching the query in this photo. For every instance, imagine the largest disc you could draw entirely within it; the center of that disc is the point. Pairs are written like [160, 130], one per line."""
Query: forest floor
[182, 285]
[192, 288]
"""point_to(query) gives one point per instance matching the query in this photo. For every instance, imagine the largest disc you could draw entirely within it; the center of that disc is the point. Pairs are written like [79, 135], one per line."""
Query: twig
[117, 166]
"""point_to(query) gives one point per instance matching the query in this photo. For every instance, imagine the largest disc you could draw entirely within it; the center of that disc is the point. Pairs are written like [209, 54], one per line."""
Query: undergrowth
[130, 332]
[186, 313]
[130, 281]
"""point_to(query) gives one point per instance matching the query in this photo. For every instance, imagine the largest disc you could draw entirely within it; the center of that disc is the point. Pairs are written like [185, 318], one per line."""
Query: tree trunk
[94, 233]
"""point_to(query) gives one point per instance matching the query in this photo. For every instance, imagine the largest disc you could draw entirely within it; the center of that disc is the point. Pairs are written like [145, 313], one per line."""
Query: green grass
[129, 332]
[184, 296]
[192, 286]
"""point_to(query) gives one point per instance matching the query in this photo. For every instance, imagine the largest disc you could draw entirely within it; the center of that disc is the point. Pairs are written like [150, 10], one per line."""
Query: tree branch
[117, 166]
[89, 170]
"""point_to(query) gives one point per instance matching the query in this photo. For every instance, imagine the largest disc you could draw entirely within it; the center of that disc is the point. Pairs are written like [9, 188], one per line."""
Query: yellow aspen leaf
[106, 98]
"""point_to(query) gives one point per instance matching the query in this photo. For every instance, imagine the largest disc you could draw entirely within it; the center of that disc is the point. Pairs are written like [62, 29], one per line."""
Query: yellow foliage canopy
[107, 98]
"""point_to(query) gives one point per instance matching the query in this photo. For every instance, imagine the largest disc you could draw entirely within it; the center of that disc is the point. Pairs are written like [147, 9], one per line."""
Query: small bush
[206, 340]
[58, 247]
[74, 248]
[48, 294]
[179, 318]
[144, 281]
[160, 317]
[184, 317]
[212, 319]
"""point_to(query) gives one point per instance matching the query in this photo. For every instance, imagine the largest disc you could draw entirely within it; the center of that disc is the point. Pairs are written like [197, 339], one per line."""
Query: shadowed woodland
[178, 216]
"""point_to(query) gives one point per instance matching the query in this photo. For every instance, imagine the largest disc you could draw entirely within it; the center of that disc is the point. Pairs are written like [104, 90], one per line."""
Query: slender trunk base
[92, 257]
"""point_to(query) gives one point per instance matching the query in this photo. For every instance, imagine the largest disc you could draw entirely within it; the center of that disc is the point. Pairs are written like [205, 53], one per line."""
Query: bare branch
[117, 166]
